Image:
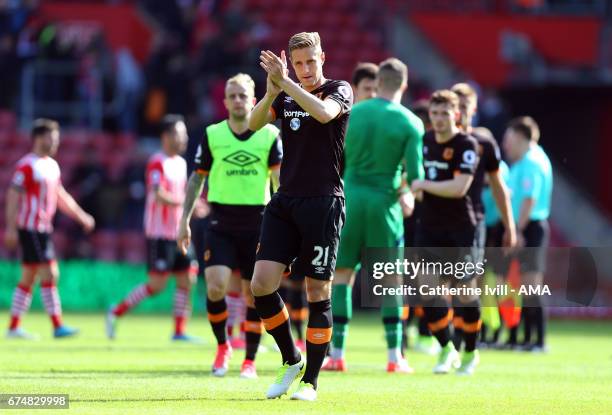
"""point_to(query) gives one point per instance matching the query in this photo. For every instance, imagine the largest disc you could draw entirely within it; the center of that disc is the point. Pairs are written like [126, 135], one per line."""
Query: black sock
[217, 315]
[458, 326]
[318, 336]
[273, 313]
[283, 290]
[297, 299]
[539, 317]
[411, 317]
[411, 314]
[528, 317]
[496, 334]
[438, 320]
[284, 293]
[423, 329]
[253, 329]
[483, 333]
[513, 335]
[471, 325]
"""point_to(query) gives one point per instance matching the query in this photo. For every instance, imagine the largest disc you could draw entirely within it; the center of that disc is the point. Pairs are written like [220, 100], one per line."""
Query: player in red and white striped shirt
[166, 179]
[35, 193]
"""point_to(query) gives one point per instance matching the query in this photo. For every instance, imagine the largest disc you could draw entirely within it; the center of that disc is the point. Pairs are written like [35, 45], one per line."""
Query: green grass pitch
[142, 372]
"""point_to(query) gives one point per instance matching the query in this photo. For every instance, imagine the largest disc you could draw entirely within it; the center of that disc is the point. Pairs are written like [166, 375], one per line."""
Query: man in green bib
[384, 138]
[239, 164]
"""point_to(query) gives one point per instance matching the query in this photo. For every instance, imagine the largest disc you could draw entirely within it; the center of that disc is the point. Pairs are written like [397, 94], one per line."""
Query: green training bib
[240, 174]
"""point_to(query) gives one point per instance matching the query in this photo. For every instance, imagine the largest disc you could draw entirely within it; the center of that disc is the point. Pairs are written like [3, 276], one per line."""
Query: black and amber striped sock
[471, 324]
[438, 322]
[458, 323]
[253, 328]
[420, 314]
[275, 317]
[318, 336]
[217, 315]
[299, 311]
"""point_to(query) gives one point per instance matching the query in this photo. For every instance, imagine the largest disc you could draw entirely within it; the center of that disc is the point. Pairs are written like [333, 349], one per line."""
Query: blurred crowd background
[109, 70]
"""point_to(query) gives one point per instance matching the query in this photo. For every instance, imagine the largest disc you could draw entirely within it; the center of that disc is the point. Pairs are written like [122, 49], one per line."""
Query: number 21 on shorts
[321, 255]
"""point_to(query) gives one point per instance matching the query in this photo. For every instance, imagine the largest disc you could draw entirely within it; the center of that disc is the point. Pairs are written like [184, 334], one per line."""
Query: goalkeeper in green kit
[384, 139]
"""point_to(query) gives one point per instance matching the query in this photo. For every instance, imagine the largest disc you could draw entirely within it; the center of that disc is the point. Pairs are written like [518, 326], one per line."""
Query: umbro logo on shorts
[319, 270]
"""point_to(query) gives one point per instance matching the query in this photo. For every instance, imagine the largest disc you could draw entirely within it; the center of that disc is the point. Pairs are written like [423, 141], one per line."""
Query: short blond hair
[444, 96]
[242, 79]
[304, 40]
[464, 90]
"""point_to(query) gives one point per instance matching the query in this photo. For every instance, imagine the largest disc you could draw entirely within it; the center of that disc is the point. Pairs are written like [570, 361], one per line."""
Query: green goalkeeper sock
[393, 326]
[342, 311]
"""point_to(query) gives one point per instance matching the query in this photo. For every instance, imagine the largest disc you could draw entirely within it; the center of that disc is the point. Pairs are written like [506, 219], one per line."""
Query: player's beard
[239, 116]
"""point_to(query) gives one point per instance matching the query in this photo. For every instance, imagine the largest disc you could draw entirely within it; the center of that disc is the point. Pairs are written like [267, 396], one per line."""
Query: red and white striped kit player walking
[166, 178]
[36, 192]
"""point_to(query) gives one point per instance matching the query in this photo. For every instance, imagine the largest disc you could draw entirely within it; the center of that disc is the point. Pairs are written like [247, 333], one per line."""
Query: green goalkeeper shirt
[383, 140]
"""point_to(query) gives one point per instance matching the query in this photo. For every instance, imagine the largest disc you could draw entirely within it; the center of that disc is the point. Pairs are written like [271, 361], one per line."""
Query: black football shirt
[442, 162]
[489, 158]
[313, 152]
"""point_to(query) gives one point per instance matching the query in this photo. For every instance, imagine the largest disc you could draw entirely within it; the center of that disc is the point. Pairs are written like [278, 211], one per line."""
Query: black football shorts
[36, 247]
[164, 257]
[305, 230]
[233, 249]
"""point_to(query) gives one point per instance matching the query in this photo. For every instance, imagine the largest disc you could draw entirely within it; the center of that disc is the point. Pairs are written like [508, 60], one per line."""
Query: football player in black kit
[448, 221]
[304, 218]
[489, 156]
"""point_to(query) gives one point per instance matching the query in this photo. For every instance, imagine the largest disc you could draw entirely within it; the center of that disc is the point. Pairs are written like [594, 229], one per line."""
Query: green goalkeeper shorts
[373, 220]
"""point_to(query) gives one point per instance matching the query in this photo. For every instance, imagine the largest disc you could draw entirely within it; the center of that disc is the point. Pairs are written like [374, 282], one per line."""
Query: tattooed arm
[194, 189]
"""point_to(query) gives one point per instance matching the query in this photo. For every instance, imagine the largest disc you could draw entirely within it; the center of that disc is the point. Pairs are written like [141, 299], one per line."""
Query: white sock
[395, 354]
[337, 353]
[235, 309]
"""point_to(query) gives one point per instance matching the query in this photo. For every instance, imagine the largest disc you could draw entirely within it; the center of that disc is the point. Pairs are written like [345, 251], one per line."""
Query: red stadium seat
[132, 247]
[61, 242]
[72, 142]
[317, 5]
[307, 21]
[263, 4]
[105, 245]
[18, 141]
[8, 121]
[69, 159]
[337, 22]
[125, 141]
